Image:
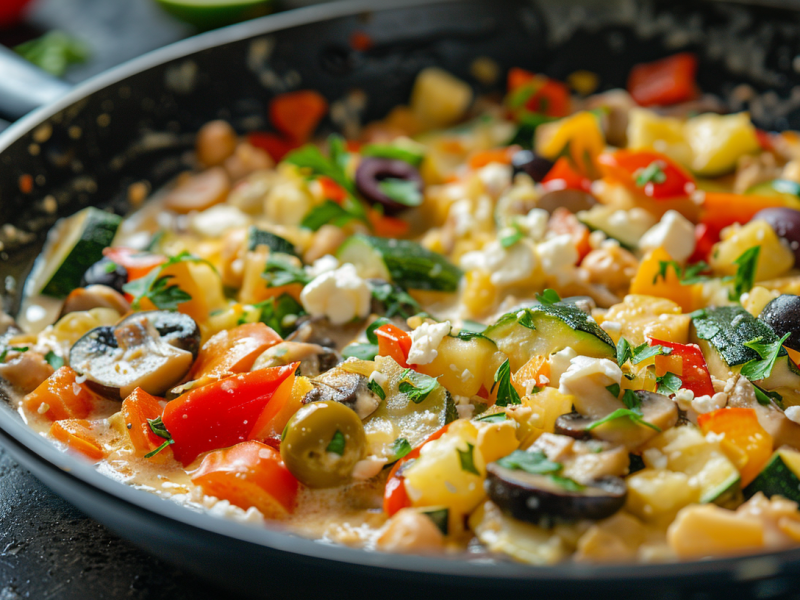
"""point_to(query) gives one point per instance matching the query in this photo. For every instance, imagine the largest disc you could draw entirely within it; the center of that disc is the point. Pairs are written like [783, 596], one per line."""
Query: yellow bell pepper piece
[648, 130]
[579, 134]
[648, 281]
[774, 259]
[718, 141]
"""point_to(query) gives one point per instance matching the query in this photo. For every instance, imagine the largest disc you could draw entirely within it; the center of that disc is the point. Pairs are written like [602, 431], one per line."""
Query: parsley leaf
[493, 418]
[467, 459]
[8, 349]
[645, 351]
[652, 173]
[668, 383]
[769, 352]
[165, 296]
[416, 385]
[361, 351]
[326, 213]
[158, 428]
[632, 401]
[766, 398]
[336, 444]
[281, 270]
[614, 389]
[402, 191]
[548, 297]
[623, 413]
[506, 393]
[535, 463]
[624, 351]
[746, 273]
[156, 288]
[395, 300]
[688, 275]
[54, 360]
[280, 314]
[399, 448]
[374, 326]
[510, 236]
[566, 483]
[376, 389]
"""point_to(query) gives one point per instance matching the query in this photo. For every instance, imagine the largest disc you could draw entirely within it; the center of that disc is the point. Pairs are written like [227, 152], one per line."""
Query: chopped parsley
[631, 400]
[745, 273]
[624, 351]
[652, 173]
[8, 349]
[623, 413]
[402, 191]
[281, 269]
[548, 297]
[158, 428]
[535, 463]
[614, 389]
[376, 389]
[645, 351]
[688, 275]
[395, 300]
[280, 314]
[337, 443]
[568, 484]
[766, 398]
[54, 360]
[467, 459]
[514, 235]
[399, 448]
[493, 418]
[668, 383]
[760, 369]
[506, 393]
[155, 287]
[360, 351]
[416, 385]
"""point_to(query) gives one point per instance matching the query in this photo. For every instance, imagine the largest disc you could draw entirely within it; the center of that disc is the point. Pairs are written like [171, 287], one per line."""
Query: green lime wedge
[210, 14]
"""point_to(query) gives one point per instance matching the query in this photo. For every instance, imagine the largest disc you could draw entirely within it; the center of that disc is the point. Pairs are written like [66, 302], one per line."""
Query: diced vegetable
[61, 397]
[718, 141]
[463, 366]
[649, 173]
[563, 176]
[544, 329]
[702, 531]
[249, 474]
[649, 282]
[439, 99]
[223, 413]
[529, 92]
[648, 130]
[687, 362]
[663, 82]
[394, 343]
[780, 476]
[656, 495]
[406, 263]
[722, 209]
[616, 224]
[233, 351]
[79, 435]
[774, 258]
[579, 136]
[138, 410]
[258, 237]
[74, 245]
[297, 114]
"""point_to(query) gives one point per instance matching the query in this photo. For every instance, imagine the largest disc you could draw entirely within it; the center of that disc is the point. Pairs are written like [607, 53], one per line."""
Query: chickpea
[246, 160]
[215, 142]
[199, 191]
[612, 266]
[410, 532]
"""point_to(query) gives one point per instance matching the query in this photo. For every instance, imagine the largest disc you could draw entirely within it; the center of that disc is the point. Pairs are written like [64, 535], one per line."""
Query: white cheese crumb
[559, 363]
[674, 233]
[425, 340]
[793, 414]
[543, 380]
[596, 239]
[322, 265]
[706, 404]
[558, 256]
[368, 468]
[378, 377]
[506, 265]
[339, 295]
[534, 223]
[683, 398]
[496, 178]
[611, 326]
[587, 376]
[214, 222]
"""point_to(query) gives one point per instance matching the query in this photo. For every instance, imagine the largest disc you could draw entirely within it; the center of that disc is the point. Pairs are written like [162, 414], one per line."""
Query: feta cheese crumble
[558, 256]
[340, 295]
[674, 233]
[425, 340]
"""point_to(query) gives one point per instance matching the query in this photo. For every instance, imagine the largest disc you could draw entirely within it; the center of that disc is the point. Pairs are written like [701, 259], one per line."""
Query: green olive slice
[322, 443]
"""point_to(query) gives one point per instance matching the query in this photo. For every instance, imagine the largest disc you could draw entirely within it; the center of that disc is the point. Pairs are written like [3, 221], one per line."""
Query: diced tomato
[332, 190]
[297, 114]
[705, 237]
[221, 414]
[136, 262]
[694, 371]
[530, 374]
[250, 474]
[394, 342]
[562, 221]
[233, 351]
[666, 179]
[564, 176]
[497, 155]
[383, 226]
[540, 93]
[138, 410]
[274, 145]
[80, 435]
[666, 81]
[61, 397]
[394, 494]
[742, 430]
[722, 209]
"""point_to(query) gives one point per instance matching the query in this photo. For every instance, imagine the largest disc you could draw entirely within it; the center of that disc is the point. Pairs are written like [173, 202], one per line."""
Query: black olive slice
[546, 500]
[373, 171]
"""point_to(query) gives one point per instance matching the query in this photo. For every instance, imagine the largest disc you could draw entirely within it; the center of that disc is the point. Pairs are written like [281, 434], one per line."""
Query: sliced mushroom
[584, 461]
[26, 370]
[345, 387]
[318, 330]
[656, 409]
[95, 296]
[152, 350]
[544, 500]
[573, 200]
[313, 358]
[770, 416]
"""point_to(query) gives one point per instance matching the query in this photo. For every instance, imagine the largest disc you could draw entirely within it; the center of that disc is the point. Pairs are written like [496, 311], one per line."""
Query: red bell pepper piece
[274, 145]
[540, 93]
[705, 237]
[250, 474]
[563, 176]
[332, 190]
[297, 114]
[694, 373]
[394, 494]
[136, 262]
[383, 226]
[394, 342]
[221, 414]
[649, 173]
[666, 81]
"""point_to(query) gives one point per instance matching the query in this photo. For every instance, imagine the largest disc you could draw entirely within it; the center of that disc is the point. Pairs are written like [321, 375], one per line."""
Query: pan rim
[742, 568]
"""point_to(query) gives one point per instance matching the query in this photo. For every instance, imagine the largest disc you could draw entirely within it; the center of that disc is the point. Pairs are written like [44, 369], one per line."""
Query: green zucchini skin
[97, 231]
[776, 478]
[727, 328]
[258, 237]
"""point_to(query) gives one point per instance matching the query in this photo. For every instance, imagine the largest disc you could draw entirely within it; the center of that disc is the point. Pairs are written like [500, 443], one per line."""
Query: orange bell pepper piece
[394, 342]
[233, 351]
[138, 410]
[383, 226]
[531, 373]
[60, 397]
[743, 431]
[723, 209]
[297, 114]
[648, 282]
[79, 435]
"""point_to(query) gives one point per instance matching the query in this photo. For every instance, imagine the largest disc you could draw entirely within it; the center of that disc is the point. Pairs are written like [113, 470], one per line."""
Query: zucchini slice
[400, 417]
[406, 263]
[600, 218]
[780, 476]
[258, 237]
[74, 245]
[544, 329]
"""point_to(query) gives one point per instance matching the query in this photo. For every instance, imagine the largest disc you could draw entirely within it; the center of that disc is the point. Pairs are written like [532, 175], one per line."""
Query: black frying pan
[136, 123]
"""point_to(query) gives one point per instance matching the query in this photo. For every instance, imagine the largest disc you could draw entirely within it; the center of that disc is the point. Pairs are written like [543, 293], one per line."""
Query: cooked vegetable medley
[551, 326]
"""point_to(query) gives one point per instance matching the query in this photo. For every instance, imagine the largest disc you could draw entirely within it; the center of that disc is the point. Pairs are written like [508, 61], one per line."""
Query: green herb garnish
[280, 269]
[535, 463]
[746, 273]
[760, 369]
[548, 297]
[399, 448]
[416, 385]
[506, 393]
[376, 389]
[467, 459]
[54, 360]
[336, 444]
[623, 413]
[401, 191]
[652, 173]
[158, 428]
[668, 383]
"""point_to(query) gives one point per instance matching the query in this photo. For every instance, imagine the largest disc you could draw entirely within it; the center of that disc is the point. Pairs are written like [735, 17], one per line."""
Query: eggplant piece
[545, 501]
[344, 387]
[151, 350]
[656, 409]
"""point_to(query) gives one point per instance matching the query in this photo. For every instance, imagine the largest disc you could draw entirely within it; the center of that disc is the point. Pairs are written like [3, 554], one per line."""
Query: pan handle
[24, 86]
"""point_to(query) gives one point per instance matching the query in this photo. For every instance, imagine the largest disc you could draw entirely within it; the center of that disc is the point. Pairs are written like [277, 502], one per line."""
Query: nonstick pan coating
[136, 123]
